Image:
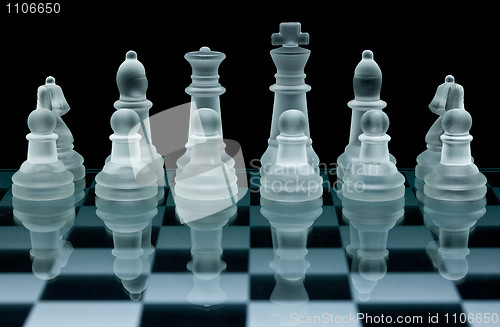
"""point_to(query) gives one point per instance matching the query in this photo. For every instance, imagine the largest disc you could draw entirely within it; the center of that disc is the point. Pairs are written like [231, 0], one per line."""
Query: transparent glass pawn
[42, 176]
[456, 177]
[206, 176]
[291, 177]
[120, 179]
[373, 177]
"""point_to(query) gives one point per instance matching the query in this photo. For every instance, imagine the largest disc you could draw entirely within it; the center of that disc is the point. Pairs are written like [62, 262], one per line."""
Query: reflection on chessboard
[264, 271]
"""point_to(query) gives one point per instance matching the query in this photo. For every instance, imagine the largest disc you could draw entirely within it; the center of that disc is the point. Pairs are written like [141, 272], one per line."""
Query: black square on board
[413, 216]
[176, 260]
[171, 260]
[327, 197]
[6, 216]
[493, 178]
[332, 178]
[260, 237]
[2, 192]
[188, 316]
[477, 287]
[484, 236]
[89, 178]
[261, 286]
[85, 288]
[242, 217]
[491, 198]
[409, 314]
[253, 180]
[170, 219]
[155, 231]
[341, 219]
[15, 261]
[330, 287]
[318, 237]
[324, 237]
[409, 261]
[163, 200]
[236, 260]
[318, 287]
[89, 198]
[254, 197]
[90, 237]
[13, 315]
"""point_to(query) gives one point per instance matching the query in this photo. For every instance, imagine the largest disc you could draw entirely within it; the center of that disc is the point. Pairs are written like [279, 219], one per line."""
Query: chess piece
[455, 177]
[370, 222]
[367, 83]
[373, 177]
[291, 177]
[449, 95]
[42, 176]
[130, 223]
[205, 91]
[454, 221]
[47, 222]
[118, 179]
[50, 96]
[206, 176]
[132, 83]
[136, 283]
[206, 220]
[206, 263]
[289, 89]
[291, 223]
[205, 195]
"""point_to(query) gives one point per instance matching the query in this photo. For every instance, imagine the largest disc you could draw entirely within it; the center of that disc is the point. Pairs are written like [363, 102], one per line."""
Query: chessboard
[87, 292]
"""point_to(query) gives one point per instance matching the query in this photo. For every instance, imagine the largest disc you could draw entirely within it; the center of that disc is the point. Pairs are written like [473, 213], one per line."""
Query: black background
[415, 45]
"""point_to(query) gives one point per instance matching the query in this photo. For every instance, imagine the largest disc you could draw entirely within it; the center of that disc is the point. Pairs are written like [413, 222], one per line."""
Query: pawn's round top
[449, 79]
[125, 122]
[135, 296]
[41, 121]
[131, 79]
[457, 122]
[206, 121]
[131, 55]
[50, 80]
[292, 122]
[367, 54]
[374, 123]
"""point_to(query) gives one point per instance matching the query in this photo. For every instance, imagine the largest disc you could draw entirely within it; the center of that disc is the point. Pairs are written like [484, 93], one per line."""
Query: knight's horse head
[449, 95]
[50, 96]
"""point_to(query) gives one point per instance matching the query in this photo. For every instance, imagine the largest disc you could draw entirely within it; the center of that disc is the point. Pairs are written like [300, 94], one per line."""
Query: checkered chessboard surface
[87, 292]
